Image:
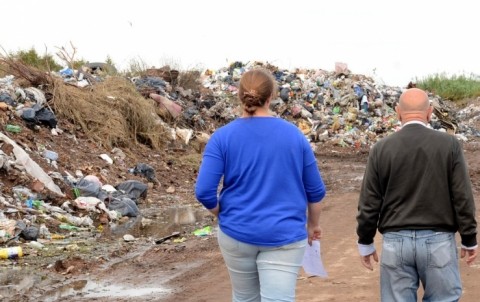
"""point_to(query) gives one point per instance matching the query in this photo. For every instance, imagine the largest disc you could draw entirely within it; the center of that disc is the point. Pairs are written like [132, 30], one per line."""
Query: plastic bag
[46, 117]
[145, 170]
[133, 188]
[86, 203]
[7, 98]
[125, 206]
[88, 187]
[28, 114]
[30, 233]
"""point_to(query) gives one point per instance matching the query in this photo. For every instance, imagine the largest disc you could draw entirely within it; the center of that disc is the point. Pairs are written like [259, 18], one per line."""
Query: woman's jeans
[262, 273]
[419, 255]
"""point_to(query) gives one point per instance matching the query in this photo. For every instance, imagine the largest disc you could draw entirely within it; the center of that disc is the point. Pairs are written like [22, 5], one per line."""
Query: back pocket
[441, 250]
[392, 252]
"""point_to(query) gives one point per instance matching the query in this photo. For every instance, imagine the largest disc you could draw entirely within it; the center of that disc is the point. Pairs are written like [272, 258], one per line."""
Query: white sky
[401, 40]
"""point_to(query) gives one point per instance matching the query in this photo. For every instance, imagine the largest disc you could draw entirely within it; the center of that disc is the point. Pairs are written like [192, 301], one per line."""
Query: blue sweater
[269, 174]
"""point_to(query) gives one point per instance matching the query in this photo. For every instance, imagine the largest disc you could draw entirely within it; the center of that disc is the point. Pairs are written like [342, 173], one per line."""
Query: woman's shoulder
[239, 123]
[288, 125]
[225, 129]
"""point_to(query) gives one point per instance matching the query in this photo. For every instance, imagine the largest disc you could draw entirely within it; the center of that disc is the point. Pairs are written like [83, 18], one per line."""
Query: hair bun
[251, 98]
[255, 88]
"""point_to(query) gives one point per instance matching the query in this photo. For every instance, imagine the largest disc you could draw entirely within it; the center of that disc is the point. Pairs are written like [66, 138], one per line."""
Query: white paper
[312, 260]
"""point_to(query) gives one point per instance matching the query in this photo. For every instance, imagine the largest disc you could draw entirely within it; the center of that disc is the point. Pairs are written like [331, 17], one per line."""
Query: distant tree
[32, 58]
[112, 69]
[77, 64]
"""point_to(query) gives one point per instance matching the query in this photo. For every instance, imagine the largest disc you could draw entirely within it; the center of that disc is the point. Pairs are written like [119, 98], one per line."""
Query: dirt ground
[189, 268]
[347, 280]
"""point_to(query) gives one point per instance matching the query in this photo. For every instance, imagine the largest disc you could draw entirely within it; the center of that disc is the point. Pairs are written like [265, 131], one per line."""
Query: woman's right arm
[315, 190]
[209, 175]
[313, 222]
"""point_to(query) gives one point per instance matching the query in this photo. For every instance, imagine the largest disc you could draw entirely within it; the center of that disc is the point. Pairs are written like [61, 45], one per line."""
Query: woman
[270, 181]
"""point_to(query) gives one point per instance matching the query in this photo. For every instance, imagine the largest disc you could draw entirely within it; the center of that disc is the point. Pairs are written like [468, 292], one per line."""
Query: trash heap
[165, 108]
[330, 107]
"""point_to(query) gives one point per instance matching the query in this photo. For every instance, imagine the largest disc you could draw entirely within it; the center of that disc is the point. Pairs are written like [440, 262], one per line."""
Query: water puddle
[92, 289]
[96, 290]
[157, 223]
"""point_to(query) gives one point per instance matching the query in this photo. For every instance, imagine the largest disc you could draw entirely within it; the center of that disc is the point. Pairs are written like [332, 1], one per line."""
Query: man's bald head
[414, 106]
[413, 100]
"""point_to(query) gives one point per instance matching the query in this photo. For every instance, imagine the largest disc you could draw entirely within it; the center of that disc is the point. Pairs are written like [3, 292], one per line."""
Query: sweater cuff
[469, 240]
[469, 247]
[366, 250]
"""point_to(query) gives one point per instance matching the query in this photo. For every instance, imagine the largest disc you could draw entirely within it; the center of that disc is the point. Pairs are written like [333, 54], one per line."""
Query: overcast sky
[399, 40]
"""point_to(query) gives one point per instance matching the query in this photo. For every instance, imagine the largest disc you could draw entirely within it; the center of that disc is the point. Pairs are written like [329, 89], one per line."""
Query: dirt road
[347, 280]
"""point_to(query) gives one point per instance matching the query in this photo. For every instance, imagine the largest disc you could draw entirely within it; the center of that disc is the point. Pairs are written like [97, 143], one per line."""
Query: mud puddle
[92, 289]
[157, 223]
[153, 224]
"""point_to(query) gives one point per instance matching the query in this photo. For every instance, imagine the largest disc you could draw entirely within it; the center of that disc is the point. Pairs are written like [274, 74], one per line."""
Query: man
[416, 190]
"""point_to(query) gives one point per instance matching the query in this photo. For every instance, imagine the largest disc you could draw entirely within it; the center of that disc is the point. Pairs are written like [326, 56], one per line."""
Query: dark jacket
[416, 179]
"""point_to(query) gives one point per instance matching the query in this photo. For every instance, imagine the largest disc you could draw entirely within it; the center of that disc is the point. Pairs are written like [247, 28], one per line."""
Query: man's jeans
[412, 255]
[262, 273]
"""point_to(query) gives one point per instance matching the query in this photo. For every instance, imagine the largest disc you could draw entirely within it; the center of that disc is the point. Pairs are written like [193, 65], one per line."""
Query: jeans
[411, 256]
[262, 273]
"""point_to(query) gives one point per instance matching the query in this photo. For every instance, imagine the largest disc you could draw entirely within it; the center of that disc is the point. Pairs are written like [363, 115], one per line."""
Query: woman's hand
[314, 233]
[215, 210]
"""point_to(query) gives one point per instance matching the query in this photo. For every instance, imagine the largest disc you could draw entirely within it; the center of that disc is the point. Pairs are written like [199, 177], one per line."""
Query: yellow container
[11, 252]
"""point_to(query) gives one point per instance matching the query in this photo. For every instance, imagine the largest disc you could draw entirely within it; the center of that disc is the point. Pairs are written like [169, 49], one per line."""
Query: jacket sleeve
[369, 203]
[209, 175]
[462, 197]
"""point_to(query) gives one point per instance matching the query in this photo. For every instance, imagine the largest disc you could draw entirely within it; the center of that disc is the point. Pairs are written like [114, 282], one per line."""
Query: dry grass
[3, 70]
[34, 76]
[190, 79]
[112, 113]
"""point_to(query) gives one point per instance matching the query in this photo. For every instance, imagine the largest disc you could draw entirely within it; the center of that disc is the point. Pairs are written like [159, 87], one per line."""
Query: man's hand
[472, 254]
[367, 262]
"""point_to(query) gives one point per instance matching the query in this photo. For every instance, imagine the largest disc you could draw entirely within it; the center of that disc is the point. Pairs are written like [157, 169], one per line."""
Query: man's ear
[399, 113]
[429, 113]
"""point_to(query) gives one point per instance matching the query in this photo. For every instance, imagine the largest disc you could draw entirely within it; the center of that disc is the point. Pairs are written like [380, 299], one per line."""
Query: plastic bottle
[76, 192]
[29, 203]
[69, 227]
[11, 252]
[13, 128]
[37, 203]
[57, 236]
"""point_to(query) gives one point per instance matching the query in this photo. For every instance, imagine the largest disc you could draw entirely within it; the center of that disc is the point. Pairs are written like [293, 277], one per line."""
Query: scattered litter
[165, 238]
[128, 238]
[205, 231]
[106, 158]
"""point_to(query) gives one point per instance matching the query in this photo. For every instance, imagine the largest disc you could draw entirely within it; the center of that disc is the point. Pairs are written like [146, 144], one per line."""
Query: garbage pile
[337, 107]
[30, 103]
[332, 108]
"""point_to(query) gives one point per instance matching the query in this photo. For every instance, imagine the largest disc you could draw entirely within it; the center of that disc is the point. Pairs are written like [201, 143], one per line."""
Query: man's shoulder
[430, 135]
[386, 139]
